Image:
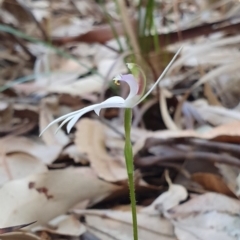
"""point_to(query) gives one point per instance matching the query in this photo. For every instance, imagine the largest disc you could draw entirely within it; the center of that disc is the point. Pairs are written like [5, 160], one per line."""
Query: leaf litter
[59, 56]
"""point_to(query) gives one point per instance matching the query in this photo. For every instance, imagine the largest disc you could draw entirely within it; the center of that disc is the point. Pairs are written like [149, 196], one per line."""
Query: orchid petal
[131, 102]
[63, 122]
[90, 108]
[116, 102]
[74, 119]
[139, 76]
[131, 81]
[58, 120]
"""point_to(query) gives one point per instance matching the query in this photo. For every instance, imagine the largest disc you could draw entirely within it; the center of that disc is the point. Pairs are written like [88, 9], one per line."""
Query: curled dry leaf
[64, 73]
[196, 232]
[167, 200]
[228, 68]
[227, 90]
[229, 132]
[72, 152]
[216, 115]
[42, 197]
[110, 224]
[39, 9]
[90, 140]
[205, 203]
[164, 111]
[110, 63]
[6, 113]
[50, 137]
[19, 165]
[16, 120]
[80, 87]
[68, 71]
[67, 26]
[206, 217]
[19, 236]
[30, 146]
[110, 68]
[213, 57]
[194, 55]
[64, 225]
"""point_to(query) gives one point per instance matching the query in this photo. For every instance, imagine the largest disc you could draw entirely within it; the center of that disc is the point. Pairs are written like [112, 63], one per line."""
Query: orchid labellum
[137, 86]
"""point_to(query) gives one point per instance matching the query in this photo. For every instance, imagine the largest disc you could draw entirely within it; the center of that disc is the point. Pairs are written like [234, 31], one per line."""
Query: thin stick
[129, 28]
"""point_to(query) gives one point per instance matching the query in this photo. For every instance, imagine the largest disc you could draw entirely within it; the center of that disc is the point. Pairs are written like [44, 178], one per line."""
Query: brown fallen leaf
[229, 175]
[212, 182]
[6, 113]
[227, 132]
[90, 140]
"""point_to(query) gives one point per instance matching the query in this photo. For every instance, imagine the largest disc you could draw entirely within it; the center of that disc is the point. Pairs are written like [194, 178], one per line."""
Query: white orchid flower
[137, 85]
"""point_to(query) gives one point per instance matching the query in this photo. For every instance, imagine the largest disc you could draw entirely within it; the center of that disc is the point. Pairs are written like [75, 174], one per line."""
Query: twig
[24, 48]
[26, 8]
[14, 228]
[197, 144]
[129, 29]
[176, 156]
[215, 146]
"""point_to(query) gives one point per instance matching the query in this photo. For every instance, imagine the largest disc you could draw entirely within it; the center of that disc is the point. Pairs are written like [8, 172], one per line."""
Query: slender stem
[133, 205]
[130, 168]
[115, 34]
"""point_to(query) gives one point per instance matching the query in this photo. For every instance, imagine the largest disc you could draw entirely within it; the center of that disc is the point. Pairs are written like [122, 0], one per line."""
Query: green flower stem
[130, 168]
